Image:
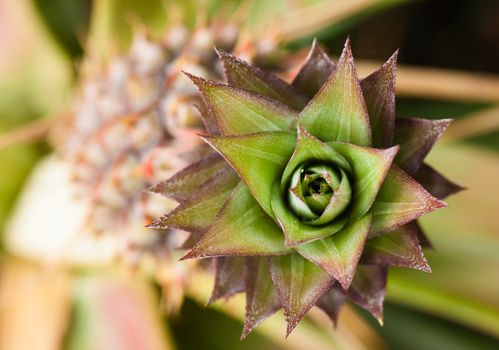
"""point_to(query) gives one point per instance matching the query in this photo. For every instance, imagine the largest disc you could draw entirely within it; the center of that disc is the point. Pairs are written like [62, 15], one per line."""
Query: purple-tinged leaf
[435, 183]
[229, 278]
[397, 248]
[190, 242]
[399, 201]
[262, 300]
[423, 239]
[241, 228]
[368, 289]
[314, 72]
[259, 159]
[246, 76]
[416, 137]
[331, 302]
[339, 254]
[379, 94]
[370, 166]
[239, 111]
[198, 212]
[299, 284]
[338, 111]
[208, 119]
[184, 184]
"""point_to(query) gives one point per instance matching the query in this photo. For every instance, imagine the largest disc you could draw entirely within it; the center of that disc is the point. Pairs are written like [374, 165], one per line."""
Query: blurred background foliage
[457, 307]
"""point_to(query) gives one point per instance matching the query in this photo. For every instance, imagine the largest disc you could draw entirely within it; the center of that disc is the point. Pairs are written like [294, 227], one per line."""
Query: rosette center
[318, 193]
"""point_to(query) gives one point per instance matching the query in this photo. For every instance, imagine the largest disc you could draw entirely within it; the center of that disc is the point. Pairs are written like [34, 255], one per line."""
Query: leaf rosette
[310, 183]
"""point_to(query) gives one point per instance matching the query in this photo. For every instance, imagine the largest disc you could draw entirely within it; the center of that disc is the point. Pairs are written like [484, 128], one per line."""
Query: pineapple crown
[312, 188]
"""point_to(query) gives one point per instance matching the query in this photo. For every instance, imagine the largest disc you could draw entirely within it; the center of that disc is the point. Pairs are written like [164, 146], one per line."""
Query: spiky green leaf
[314, 73]
[368, 289]
[199, 211]
[261, 296]
[242, 228]
[339, 254]
[369, 169]
[416, 137]
[239, 111]
[259, 159]
[398, 248]
[246, 76]
[435, 183]
[299, 284]
[338, 111]
[184, 184]
[229, 278]
[379, 94]
[399, 201]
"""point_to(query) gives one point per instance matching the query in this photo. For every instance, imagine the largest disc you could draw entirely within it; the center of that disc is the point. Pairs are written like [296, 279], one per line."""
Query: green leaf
[229, 278]
[368, 289]
[416, 137]
[398, 248]
[241, 229]
[239, 111]
[245, 76]
[299, 284]
[259, 159]
[399, 201]
[369, 169]
[311, 149]
[261, 296]
[435, 183]
[184, 184]
[198, 212]
[379, 94]
[339, 254]
[295, 230]
[338, 111]
[314, 73]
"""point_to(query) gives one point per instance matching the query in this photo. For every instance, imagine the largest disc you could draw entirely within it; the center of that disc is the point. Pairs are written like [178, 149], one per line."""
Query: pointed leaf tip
[229, 278]
[338, 111]
[339, 254]
[243, 75]
[314, 73]
[379, 93]
[261, 296]
[416, 137]
[400, 200]
[299, 285]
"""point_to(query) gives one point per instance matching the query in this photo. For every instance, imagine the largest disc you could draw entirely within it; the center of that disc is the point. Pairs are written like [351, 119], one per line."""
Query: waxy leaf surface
[399, 201]
[339, 254]
[314, 72]
[299, 285]
[243, 75]
[338, 111]
[379, 94]
[259, 159]
[261, 296]
[242, 228]
[239, 111]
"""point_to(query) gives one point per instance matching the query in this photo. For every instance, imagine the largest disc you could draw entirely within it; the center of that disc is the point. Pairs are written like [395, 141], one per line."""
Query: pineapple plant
[311, 189]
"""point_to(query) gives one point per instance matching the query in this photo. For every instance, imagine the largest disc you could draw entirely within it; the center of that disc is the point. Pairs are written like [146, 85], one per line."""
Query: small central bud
[317, 193]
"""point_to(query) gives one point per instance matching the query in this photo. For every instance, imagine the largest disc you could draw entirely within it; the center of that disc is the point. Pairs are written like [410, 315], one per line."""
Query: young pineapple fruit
[311, 190]
[135, 125]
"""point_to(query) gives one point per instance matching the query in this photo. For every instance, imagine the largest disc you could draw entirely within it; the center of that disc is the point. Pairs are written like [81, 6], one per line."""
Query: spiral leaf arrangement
[312, 189]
